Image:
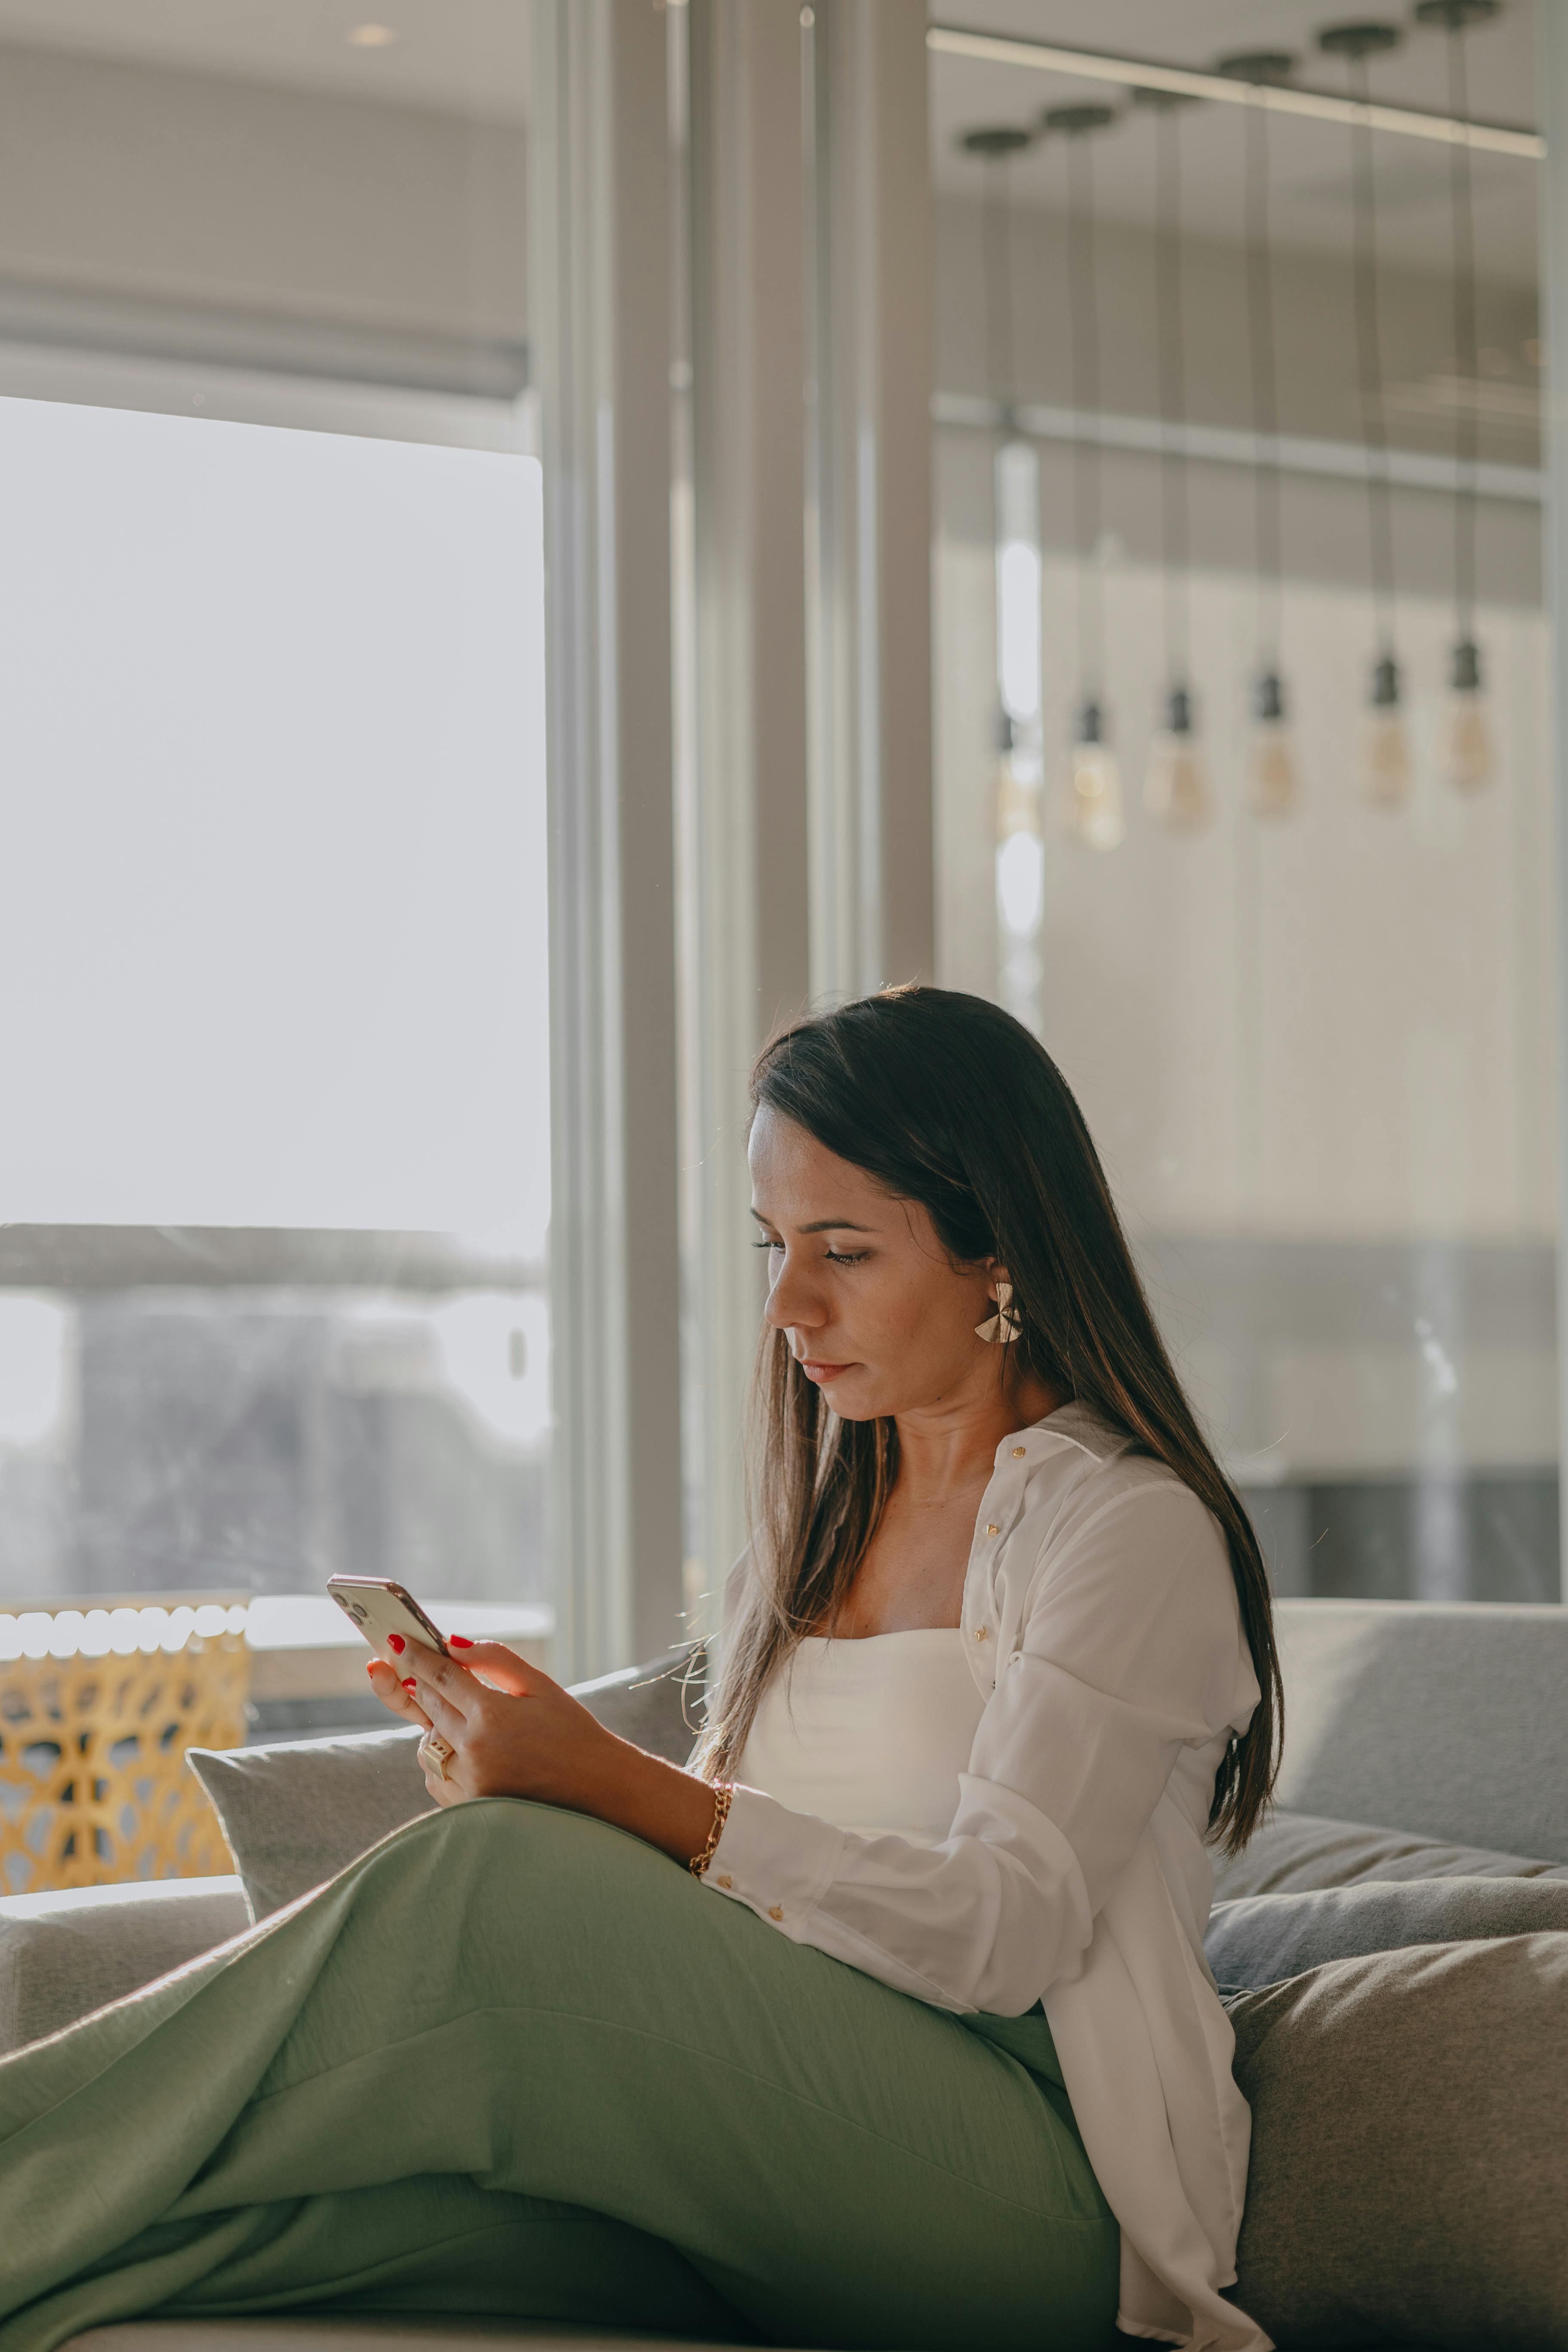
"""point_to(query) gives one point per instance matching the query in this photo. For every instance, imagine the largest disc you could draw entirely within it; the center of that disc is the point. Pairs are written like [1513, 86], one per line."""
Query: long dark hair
[949, 1101]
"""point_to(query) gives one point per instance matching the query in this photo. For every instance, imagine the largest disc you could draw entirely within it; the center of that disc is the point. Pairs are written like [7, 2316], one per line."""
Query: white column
[1552, 84]
[599, 334]
[740, 555]
[870, 329]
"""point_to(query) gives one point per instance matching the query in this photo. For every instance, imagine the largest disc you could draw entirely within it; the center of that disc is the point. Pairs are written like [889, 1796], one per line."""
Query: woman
[999, 1664]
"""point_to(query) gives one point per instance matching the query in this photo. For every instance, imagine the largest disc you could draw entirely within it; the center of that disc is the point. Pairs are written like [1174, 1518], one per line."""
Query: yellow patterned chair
[98, 1701]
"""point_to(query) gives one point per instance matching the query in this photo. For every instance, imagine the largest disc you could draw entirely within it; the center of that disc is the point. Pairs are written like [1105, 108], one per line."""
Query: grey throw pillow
[297, 1813]
[1407, 2174]
[1264, 1937]
[1293, 1852]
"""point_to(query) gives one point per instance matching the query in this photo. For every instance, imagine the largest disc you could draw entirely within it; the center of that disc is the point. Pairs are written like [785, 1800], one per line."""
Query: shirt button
[991, 1529]
[1019, 1452]
[983, 1632]
[775, 1911]
[725, 1882]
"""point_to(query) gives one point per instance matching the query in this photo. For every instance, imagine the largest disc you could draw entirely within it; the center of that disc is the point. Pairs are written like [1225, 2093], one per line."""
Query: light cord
[1369, 364]
[1083, 310]
[1269, 559]
[1175, 508]
[1465, 421]
[996, 277]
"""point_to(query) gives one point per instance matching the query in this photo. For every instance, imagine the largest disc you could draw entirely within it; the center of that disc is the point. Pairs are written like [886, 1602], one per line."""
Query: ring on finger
[434, 1752]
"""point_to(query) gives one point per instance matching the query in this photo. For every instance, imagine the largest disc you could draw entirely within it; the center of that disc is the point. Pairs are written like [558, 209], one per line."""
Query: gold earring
[1004, 1325]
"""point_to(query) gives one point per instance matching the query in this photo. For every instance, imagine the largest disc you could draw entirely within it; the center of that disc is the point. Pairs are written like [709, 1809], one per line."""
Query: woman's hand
[515, 1733]
[511, 1730]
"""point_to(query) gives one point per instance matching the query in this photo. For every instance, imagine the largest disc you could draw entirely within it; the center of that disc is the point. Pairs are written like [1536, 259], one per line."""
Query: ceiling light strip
[1317, 106]
[1215, 444]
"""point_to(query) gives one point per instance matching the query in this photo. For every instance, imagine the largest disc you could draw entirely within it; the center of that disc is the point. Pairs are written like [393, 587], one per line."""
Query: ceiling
[466, 55]
[1311, 161]
[472, 57]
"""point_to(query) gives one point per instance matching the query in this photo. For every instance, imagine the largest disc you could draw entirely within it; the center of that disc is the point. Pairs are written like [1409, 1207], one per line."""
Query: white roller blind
[272, 851]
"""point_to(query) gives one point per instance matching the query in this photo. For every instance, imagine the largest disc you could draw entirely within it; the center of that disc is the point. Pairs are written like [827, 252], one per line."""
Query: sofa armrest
[65, 1954]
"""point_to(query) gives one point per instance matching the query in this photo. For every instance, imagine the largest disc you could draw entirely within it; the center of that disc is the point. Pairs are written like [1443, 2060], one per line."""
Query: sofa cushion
[1264, 1937]
[64, 1954]
[1406, 2180]
[1293, 1852]
[1448, 1717]
[297, 1813]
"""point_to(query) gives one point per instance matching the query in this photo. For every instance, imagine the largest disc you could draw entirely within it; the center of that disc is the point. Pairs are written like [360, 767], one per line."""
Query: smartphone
[378, 1607]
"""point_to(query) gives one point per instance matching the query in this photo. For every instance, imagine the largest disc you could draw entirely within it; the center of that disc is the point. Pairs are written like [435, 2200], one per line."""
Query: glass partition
[1293, 937]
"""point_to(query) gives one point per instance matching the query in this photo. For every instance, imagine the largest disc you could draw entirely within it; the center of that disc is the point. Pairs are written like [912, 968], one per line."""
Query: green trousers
[513, 2062]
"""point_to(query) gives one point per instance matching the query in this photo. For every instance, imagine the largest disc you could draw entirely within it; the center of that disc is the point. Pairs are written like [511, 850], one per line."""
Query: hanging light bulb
[1094, 812]
[1094, 785]
[1464, 749]
[1463, 742]
[1273, 785]
[1175, 786]
[1020, 833]
[1385, 746]
[1272, 781]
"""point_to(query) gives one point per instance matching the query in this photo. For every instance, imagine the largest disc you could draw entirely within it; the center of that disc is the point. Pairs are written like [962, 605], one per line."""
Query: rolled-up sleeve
[1125, 1653]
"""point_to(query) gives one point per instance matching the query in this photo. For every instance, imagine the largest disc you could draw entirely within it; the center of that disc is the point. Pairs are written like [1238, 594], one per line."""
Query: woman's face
[875, 1311]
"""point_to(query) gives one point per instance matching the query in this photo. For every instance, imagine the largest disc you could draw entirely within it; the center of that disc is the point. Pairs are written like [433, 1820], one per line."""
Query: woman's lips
[815, 1370]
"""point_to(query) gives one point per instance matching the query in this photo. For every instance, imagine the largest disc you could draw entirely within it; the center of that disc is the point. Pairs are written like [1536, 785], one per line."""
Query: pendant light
[1273, 781]
[1175, 784]
[1094, 812]
[1384, 765]
[1020, 832]
[1464, 749]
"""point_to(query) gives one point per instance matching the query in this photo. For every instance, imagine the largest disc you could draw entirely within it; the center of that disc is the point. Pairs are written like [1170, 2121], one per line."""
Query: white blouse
[873, 1735]
[1102, 1635]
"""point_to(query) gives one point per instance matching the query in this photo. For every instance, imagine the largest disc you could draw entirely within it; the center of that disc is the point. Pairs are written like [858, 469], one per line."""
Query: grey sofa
[1447, 1722]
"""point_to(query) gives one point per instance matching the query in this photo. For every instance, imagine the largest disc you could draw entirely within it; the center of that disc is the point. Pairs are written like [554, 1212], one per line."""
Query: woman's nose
[790, 1303]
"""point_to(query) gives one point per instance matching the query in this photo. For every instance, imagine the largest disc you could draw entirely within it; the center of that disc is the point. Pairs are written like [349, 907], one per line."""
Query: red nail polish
[460, 1642]
[410, 1685]
[370, 1669]
[395, 1642]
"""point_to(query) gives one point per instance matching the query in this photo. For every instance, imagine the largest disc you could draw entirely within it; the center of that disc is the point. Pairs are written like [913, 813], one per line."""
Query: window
[275, 1177]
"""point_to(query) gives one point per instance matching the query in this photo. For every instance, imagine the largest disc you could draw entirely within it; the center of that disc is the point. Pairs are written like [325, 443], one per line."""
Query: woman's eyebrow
[822, 1224]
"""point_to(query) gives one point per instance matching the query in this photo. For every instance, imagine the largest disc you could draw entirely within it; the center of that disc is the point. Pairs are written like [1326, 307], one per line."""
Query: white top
[873, 1735]
[1102, 1634]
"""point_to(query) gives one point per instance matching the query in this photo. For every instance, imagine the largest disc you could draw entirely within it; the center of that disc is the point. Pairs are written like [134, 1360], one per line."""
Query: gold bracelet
[724, 1791]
